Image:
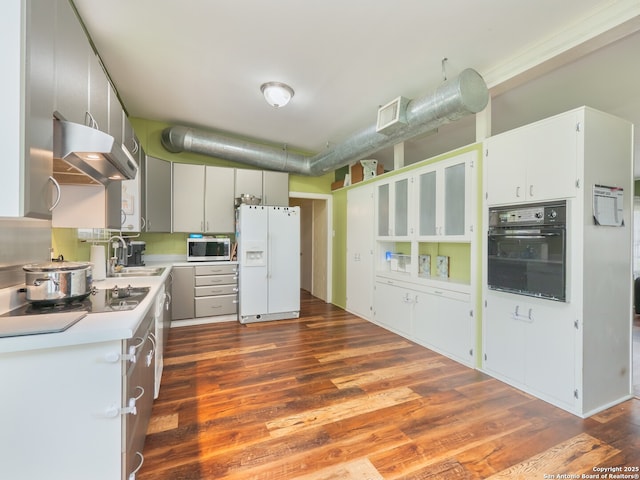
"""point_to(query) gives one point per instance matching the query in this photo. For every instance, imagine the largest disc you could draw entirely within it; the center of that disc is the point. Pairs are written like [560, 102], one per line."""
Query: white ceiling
[201, 62]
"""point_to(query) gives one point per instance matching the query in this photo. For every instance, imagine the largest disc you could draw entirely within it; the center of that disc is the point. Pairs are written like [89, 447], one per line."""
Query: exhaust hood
[85, 155]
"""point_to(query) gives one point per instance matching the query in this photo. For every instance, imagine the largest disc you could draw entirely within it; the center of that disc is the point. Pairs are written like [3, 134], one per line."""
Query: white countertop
[95, 327]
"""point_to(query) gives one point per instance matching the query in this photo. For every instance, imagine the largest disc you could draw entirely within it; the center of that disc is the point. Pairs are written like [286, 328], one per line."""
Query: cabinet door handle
[531, 190]
[132, 475]
[518, 192]
[59, 195]
[89, 121]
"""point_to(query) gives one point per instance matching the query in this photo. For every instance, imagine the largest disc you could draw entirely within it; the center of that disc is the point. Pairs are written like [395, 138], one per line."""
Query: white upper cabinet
[248, 182]
[219, 208]
[432, 204]
[534, 163]
[444, 199]
[203, 199]
[188, 197]
[275, 188]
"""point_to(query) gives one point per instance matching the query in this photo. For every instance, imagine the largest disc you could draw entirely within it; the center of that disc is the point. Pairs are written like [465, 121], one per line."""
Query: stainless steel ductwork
[454, 99]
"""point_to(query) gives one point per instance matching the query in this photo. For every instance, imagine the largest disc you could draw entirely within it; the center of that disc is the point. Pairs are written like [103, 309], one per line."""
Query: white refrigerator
[269, 263]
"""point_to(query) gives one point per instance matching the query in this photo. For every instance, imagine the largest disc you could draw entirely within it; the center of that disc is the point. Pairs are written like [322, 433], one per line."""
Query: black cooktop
[100, 300]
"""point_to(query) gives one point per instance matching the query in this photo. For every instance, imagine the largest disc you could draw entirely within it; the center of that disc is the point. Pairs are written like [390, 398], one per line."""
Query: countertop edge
[96, 327]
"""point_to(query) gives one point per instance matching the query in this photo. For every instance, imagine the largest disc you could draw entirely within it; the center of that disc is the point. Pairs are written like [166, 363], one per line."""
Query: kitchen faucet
[114, 260]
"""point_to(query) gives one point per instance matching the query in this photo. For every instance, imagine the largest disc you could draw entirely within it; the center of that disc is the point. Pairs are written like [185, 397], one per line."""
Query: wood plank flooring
[330, 396]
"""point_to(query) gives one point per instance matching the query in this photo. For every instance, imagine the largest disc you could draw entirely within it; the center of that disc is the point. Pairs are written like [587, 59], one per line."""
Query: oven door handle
[525, 236]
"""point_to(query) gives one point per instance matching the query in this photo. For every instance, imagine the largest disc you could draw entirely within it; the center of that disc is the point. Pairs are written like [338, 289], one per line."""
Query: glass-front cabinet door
[393, 208]
[443, 200]
[383, 210]
[427, 205]
[455, 199]
[401, 210]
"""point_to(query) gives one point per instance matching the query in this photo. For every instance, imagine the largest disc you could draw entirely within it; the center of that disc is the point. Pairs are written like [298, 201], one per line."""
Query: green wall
[148, 132]
[339, 266]
[64, 240]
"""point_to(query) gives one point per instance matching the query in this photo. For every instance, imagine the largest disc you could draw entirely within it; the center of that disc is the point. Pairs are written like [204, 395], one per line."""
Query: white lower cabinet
[444, 322]
[437, 318]
[78, 411]
[393, 307]
[531, 343]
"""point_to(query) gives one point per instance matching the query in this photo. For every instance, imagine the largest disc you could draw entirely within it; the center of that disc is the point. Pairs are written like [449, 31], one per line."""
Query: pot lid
[55, 266]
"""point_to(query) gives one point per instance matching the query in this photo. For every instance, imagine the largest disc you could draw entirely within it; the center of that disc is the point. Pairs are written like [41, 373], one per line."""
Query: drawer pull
[132, 475]
[151, 353]
[113, 411]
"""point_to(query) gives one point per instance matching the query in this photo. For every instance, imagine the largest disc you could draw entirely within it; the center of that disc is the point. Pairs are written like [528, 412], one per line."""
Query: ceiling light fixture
[277, 94]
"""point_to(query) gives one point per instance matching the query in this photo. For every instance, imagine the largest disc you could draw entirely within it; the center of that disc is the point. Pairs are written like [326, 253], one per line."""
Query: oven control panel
[541, 214]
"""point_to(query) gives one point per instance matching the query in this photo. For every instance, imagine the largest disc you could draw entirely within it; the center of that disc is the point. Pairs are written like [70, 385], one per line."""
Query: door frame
[329, 261]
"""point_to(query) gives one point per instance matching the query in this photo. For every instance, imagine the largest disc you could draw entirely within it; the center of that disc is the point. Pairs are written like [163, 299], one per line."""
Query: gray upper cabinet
[116, 114]
[129, 139]
[39, 105]
[98, 95]
[275, 188]
[82, 90]
[156, 194]
[113, 200]
[71, 65]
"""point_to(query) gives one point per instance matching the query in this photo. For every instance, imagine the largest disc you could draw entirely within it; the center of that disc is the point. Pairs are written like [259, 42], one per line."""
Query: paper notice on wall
[608, 206]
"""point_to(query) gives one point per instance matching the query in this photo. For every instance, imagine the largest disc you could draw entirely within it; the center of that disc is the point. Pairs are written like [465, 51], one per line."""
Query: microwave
[208, 249]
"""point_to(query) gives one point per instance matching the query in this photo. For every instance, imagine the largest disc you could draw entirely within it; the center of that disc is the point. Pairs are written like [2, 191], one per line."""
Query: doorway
[636, 356]
[635, 333]
[316, 221]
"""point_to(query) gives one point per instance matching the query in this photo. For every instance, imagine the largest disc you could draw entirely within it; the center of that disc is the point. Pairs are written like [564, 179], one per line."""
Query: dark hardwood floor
[333, 397]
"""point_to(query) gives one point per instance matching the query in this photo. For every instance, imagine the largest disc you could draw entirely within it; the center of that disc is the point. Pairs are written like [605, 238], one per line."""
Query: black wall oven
[527, 249]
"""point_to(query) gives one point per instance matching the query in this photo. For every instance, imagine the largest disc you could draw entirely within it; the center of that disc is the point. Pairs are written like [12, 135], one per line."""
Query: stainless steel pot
[58, 282]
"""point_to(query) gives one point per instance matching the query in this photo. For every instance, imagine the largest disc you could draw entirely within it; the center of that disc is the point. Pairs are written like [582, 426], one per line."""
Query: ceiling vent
[392, 116]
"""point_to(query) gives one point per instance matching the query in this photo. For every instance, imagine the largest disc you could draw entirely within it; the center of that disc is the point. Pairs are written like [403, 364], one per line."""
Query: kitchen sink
[138, 272]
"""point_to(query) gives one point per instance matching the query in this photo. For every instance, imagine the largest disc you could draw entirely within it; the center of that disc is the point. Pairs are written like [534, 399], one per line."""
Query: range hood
[85, 155]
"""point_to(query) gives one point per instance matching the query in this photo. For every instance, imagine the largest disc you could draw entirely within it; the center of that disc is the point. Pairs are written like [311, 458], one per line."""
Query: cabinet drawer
[216, 269]
[208, 291]
[216, 280]
[220, 305]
